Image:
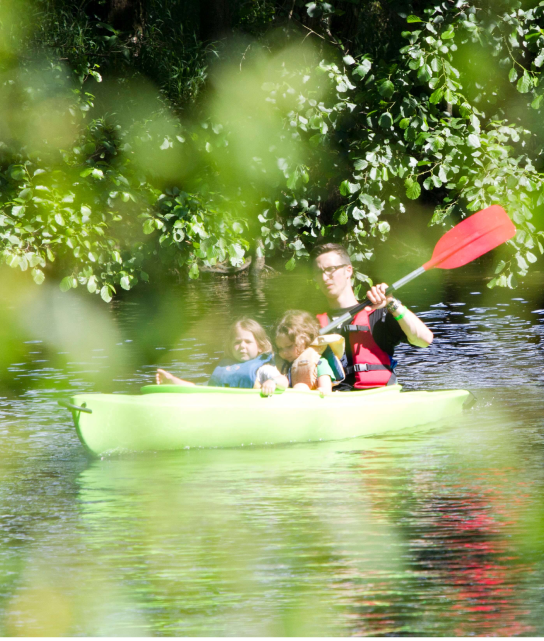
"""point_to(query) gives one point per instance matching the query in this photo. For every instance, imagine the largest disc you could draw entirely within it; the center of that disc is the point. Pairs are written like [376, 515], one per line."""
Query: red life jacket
[371, 365]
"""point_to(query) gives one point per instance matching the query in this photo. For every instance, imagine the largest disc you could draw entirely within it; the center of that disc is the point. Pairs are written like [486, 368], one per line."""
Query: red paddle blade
[472, 238]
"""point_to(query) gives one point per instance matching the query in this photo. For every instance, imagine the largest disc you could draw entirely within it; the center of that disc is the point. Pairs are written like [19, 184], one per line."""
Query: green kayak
[166, 417]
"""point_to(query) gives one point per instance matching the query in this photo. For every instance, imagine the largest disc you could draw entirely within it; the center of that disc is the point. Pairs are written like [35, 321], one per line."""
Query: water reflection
[436, 532]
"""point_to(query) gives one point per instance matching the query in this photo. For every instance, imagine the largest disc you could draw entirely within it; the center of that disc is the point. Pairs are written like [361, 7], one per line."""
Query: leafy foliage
[102, 182]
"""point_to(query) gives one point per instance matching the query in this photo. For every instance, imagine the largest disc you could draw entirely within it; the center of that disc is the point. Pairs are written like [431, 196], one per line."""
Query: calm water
[435, 532]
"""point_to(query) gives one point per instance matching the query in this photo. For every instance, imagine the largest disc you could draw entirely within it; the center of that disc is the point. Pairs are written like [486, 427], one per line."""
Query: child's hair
[249, 325]
[300, 327]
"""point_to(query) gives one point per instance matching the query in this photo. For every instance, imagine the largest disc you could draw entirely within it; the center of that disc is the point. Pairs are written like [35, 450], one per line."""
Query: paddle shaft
[357, 308]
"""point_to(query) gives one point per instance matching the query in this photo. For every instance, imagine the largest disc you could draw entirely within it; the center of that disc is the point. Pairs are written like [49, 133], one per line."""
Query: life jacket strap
[356, 328]
[366, 367]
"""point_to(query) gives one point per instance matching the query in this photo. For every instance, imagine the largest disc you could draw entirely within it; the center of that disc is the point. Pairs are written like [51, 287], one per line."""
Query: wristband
[394, 305]
[404, 310]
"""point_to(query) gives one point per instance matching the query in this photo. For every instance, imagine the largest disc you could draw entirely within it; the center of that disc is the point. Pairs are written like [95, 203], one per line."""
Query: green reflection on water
[410, 534]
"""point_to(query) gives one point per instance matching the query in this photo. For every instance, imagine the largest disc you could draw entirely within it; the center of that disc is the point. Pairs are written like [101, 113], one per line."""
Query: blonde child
[247, 363]
[303, 363]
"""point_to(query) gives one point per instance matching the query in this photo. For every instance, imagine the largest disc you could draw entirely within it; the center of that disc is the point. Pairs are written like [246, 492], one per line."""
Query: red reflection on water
[462, 569]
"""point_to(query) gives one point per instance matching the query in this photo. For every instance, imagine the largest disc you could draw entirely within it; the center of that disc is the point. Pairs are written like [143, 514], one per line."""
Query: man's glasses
[327, 271]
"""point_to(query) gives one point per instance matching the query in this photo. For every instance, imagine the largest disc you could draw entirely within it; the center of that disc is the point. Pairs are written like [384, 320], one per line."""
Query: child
[247, 362]
[300, 347]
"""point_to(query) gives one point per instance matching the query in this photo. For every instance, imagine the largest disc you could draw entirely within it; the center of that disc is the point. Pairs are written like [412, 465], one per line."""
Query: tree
[215, 19]
[329, 126]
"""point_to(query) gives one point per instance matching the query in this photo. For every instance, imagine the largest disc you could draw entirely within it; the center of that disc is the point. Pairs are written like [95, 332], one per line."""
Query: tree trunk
[124, 15]
[257, 258]
[215, 19]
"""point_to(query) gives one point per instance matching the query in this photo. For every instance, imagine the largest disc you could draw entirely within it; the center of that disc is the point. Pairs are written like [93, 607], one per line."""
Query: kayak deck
[171, 417]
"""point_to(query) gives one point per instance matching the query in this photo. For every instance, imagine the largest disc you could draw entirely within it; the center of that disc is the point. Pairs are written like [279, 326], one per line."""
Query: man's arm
[416, 331]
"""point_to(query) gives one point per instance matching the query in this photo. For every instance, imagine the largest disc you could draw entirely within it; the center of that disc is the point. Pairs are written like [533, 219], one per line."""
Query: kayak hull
[170, 418]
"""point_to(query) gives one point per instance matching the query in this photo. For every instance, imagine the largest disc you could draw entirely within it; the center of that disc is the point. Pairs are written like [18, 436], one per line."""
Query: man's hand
[376, 295]
[416, 331]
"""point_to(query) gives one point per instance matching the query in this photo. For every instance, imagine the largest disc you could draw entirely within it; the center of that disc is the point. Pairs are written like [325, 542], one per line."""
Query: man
[373, 334]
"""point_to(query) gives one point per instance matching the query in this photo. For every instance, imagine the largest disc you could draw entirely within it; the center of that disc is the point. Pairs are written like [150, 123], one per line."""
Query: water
[435, 532]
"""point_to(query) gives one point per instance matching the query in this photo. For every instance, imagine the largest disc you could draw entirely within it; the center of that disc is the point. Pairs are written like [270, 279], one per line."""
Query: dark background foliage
[141, 138]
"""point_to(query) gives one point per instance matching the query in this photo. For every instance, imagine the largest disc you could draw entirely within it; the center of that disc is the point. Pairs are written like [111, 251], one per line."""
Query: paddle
[462, 244]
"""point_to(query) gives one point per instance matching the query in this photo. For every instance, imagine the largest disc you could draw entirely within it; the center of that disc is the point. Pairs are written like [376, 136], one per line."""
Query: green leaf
[17, 173]
[384, 227]
[536, 102]
[65, 284]
[386, 89]
[342, 217]
[38, 276]
[149, 226]
[59, 219]
[446, 35]
[525, 83]
[105, 294]
[125, 282]
[404, 123]
[292, 180]
[539, 60]
[290, 264]
[424, 74]
[92, 284]
[349, 60]
[437, 96]
[194, 271]
[501, 265]
[347, 188]
[436, 181]
[412, 19]
[386, 120]
[474, 141]
[522, 264]
[519, 219]
[513, 75]
[413, 189]
[362, 69]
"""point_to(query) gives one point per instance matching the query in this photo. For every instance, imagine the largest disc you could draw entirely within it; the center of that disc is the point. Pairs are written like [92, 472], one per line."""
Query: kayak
[169, 417]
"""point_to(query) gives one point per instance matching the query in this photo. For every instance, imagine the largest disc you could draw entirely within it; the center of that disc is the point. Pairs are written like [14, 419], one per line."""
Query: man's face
[332, 274]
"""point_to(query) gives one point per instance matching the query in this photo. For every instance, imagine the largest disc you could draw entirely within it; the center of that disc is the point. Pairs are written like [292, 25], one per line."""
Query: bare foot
[162, 377]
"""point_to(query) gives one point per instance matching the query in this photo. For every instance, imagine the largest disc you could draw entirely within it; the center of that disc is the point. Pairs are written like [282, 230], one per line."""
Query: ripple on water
[433, 532]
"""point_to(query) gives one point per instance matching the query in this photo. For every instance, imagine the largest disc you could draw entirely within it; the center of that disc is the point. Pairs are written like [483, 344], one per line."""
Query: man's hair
[326, 248]
[249, 325]
[300, 327]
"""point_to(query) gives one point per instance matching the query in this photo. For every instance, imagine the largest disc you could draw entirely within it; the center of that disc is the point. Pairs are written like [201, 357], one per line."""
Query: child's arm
[162, 377]
[324, 384]
[270, 385]
[269, 377]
